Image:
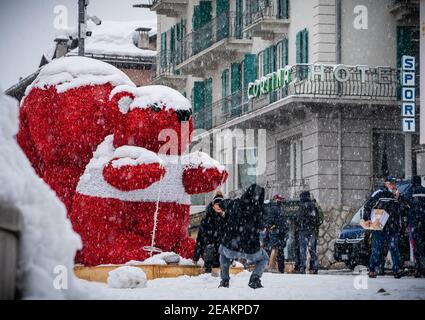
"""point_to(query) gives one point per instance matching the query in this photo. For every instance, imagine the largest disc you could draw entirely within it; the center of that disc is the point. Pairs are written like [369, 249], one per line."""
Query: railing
[227, 25]
[377, 83]
[261, 10]
[166, 62]
[146, 60]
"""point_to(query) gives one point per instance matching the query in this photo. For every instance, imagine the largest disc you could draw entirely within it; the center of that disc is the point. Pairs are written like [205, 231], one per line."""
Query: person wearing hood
[306, 225]
[244, 221]
[210, 234]
[416, 218]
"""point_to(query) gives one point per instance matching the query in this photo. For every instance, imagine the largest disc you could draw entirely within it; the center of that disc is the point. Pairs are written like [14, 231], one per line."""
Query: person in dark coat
[276, 232]
[416, 218]
[306, 225]
[210, 234]
[244, 221]
[389, 199]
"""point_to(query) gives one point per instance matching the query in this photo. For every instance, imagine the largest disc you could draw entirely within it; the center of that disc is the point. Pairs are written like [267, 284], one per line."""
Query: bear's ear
[123, 100]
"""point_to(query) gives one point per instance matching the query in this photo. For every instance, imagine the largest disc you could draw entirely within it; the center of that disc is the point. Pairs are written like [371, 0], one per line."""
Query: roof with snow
[118, 38]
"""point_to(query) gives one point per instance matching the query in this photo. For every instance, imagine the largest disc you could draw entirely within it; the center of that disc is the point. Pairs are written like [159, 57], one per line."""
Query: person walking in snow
[416, 218]
[306, 225]
[388, 199]
[276, 233]
[244, 221]
[210, 234]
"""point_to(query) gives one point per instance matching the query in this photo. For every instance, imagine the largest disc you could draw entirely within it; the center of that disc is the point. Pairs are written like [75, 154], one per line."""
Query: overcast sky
[27, 29]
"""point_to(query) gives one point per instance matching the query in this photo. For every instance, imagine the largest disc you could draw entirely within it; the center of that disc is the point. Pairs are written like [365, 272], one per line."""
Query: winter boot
[224, 283]
[399, 274]
[255, 282]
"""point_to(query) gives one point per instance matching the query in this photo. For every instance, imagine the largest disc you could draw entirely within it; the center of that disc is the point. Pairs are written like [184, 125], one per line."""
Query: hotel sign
[314, 72]
[408, 94]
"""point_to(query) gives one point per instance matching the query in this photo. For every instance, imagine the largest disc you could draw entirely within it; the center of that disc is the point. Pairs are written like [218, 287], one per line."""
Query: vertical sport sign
[408, 94]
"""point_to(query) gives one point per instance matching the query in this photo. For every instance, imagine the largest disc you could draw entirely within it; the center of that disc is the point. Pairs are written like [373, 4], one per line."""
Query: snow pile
[201, 159]
[48, 243]
[127, 278]
[71, 72]
[159, 96]
[133, 156]
[170, 257]
[117, 38]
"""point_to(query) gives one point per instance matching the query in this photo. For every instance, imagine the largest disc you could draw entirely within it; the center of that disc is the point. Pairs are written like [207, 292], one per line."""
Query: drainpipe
[340, 160]
[338, 30]
[338, 61]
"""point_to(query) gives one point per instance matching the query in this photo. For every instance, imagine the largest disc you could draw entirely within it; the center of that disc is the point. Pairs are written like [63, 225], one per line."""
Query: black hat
[390, 179]
[217, 197]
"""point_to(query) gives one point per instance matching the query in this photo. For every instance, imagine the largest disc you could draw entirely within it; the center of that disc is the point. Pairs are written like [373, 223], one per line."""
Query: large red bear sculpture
[64, 117]
[138, 184]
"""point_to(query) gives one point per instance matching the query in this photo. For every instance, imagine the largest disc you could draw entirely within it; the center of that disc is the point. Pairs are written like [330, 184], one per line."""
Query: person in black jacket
[210, 234]
[388, 199]
[306, 225]
[416, 218]
[276, 231]
[241, 238]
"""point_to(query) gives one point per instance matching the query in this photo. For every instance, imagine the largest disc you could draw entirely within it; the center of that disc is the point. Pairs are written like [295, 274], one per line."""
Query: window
[388, 154]
[260, 59]
[289, 162]
[302, 53]
[302, 46]
[246, 167]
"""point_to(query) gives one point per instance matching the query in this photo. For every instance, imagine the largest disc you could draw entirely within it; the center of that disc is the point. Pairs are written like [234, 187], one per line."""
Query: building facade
[330, 123]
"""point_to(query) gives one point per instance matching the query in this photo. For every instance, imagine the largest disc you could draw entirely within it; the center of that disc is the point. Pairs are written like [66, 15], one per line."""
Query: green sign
[269, 83]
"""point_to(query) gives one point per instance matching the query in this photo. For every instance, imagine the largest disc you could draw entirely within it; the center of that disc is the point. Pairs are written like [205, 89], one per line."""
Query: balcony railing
[166, 62]
[227, 25]
[264, 10]
[377, 84]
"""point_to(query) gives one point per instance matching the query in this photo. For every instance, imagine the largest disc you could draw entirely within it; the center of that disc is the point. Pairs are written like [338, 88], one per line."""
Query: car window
[356, 218]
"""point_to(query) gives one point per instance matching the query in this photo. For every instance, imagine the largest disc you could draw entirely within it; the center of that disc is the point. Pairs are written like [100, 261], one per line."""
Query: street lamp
[82, 24]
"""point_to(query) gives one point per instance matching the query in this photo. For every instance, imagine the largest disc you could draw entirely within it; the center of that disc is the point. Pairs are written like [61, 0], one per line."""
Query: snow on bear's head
[157, 118]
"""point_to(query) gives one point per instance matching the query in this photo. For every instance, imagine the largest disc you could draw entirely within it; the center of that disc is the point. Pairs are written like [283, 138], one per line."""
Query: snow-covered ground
[276, 286]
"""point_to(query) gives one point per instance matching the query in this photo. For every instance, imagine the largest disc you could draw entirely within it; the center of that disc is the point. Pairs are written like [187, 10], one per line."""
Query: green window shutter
[304, 46]
[298, 48]
[235, 86]
[198, 95]
[225, 83]
[163, 57]
[222, 12]
[163, 41]
[272, 59]
[208, 92]
[235, 77]
[249, 69]
[222, 6]
[225, 90]
[285, 61]
[239, 19]
[283, 9]
[196, 18]
[172, 40]
[205, 8]
[266, 62]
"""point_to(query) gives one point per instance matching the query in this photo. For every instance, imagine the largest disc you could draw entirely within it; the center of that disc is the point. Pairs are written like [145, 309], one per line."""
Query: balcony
[166, 72]
[220, 39]
[169, 8]
[404, 10]
[266, 20]
[228, 111]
